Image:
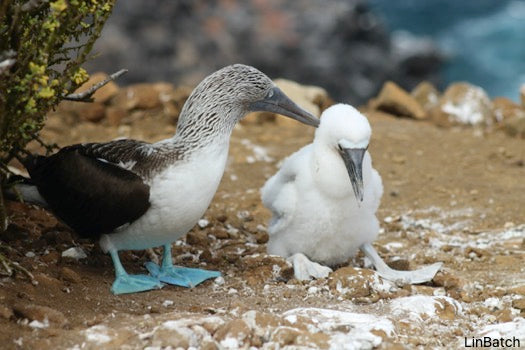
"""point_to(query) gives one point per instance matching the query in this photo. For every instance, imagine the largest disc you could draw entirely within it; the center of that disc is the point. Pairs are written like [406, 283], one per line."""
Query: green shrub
[48, 42]
[42, 47]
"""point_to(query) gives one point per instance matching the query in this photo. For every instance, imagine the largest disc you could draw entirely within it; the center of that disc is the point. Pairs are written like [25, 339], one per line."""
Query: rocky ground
[453, 193]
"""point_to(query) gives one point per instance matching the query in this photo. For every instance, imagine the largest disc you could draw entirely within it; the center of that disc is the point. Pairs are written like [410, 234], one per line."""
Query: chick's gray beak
[353, 158]
[277, 102]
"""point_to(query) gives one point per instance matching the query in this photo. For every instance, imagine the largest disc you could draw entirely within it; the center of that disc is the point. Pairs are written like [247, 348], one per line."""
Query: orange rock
[506, 109]
[519, 304]
[69, 112]
[115, 115]
[463, 103]
[172, 337]
[518, 290]
[426, 95]
[285, 335]
[69, 275]
[448, 280]
[138, 96]
[165, 90]
[236, 329]
[40, 313]
[263, 324]
[393, 99]
[91, 111]
[47, 281]
[352, 282]
[445, 310]
[311, 98]
[515, 126]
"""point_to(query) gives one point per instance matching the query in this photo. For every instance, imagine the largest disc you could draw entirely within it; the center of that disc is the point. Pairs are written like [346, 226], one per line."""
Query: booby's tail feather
[23, 188]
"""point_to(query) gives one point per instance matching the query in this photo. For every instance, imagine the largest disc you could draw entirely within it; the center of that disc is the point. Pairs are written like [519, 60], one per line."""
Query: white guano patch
[357, 327]
[468, 109]
[98, 334]
[416, 307]
[260, 154]
[516, 328]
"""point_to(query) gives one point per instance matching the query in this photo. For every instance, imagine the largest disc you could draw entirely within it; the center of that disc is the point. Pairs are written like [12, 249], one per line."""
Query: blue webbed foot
[180, 276]
[125, 283]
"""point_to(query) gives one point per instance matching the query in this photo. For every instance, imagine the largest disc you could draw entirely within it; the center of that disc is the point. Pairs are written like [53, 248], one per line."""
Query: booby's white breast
[179, 196]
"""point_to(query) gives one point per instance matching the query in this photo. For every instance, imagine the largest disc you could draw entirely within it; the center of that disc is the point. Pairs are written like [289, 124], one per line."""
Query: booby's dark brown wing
[87, 191]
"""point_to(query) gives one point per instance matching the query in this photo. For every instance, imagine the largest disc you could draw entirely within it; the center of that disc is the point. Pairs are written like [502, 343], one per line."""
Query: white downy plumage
[321, 214]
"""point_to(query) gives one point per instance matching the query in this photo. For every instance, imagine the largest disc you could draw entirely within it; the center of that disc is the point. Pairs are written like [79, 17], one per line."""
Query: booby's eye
[269, 94]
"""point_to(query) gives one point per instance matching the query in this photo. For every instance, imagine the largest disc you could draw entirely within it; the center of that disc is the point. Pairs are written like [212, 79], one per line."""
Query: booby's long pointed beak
[277, 102]
[353, 159]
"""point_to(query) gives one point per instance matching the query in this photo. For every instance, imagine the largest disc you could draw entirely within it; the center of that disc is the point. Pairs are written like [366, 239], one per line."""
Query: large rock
[351, 282]
[313, 99]
[177, 339]
[394, 100]
[515, 126]
[233, 334]
[463, 103]
[43, 314]
[262, 323]
[505, 109]
[115, 115]
[287, 337]
[69, 275]
[91, 111]
[137, 96]
[88, 111]
[426, 95]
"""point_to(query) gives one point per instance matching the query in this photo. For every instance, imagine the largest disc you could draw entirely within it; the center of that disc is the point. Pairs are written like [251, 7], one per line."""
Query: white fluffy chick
[324, 201]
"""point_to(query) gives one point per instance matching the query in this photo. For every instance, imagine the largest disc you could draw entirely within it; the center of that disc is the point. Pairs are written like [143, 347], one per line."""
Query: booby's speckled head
[346, 131]
[227, 95]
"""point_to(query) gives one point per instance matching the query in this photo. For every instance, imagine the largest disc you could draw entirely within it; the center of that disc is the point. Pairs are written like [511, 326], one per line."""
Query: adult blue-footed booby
[136, 195]
[318, 213]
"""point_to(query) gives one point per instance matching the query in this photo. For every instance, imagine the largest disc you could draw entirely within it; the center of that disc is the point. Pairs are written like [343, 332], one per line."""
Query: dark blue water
[484, 40]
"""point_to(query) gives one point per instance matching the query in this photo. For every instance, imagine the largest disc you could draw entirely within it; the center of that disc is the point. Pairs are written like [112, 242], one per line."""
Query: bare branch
[86, 95]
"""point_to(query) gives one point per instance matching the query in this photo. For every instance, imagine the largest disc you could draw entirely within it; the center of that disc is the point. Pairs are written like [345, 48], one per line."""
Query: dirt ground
[454, 195]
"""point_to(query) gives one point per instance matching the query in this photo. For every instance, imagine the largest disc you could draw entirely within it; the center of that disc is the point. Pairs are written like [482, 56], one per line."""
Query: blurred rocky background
[391, 57]
[338, 44]
[483, 40]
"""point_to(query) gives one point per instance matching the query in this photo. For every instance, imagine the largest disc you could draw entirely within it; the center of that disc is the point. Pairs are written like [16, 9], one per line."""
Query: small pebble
[74, 253]
[167, 303]
[203, 223]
